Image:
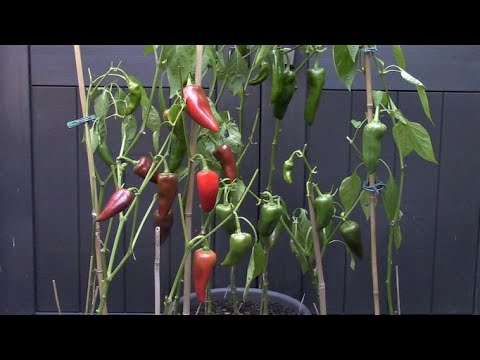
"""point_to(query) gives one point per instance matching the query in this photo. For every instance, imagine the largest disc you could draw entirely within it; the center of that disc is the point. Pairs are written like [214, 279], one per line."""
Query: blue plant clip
[74, 123]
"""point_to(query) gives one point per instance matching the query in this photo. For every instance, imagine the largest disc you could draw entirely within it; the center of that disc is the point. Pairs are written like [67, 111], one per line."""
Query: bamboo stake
[156, 269]
[189, 195]
[91, 170]
[372, 179]
[57, 301]
[322, 301]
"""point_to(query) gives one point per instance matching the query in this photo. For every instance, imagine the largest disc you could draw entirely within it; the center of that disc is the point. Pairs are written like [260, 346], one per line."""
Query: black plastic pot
[255, 295]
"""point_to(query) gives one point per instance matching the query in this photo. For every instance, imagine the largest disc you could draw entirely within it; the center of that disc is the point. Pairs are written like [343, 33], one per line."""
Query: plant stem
[241, 110]
[156, 270]
[233, 291]
[371, 179]
[391, 240]
[397, 277]
[250, 139]
[209, 308]
[264, 301]
[273, 154]
[90, 270]
[322, 302]
[189, 196]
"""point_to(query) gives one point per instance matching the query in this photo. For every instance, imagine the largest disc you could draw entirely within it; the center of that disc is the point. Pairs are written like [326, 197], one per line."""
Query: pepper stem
[202, 159]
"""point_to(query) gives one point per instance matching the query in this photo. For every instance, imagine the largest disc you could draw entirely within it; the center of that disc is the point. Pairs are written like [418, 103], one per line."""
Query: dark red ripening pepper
[208, 183]
[198, 107]
[224, 154]
[118, 202]
[167, 192]
[165, 224]
[204, 261]
[143, 166]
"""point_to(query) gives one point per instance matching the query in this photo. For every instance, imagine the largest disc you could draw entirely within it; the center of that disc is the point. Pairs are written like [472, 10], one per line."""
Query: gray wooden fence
[44, 196]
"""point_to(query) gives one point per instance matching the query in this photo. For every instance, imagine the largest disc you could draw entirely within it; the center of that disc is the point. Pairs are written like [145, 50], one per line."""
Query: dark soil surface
[224, 307]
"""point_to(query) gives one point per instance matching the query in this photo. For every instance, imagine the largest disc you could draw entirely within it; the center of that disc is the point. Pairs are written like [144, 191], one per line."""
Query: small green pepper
[324, 210]
[270, 214]
[262, 74]
[178, 149]
[287, 170]
[280, 105]
[315, 82]
[239, 245]
[351, 234]
[134, 96]
[104, 153]
[222, 211]
[373, 133]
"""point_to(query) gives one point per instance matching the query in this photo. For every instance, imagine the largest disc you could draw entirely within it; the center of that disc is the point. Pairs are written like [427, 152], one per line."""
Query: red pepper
[208, 183]
[204, 261]
[224, 154]
[118, 202]
[198, 107]
[167, 192]
[143, 166]
[165, 224]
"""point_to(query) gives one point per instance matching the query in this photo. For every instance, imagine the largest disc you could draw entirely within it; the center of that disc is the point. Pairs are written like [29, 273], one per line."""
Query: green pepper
[178, 149]
[239, 245]
[280, 105]
[222, 211]
[270, 214]
[134, 96]
[315, 82]
[287, 170]
[324, 210]
[373, 133]
[262, 74]
[278, 67]
[351, 234]
[104, 153]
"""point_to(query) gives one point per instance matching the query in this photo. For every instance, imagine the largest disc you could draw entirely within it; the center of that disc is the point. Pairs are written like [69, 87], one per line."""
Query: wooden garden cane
[91, 170]
[372, 180]
[187, 272]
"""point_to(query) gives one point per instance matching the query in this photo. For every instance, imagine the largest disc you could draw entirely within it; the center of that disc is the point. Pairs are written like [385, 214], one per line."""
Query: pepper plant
[194, 131]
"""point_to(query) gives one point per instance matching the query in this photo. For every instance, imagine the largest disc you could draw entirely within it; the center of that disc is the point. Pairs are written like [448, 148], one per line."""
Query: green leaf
[153, 122]
[380, 97]
[130, 127]
[301, 258]
[180, 59]
[401, 135]
[390, 198]
[120, 101]
[101, 104]
[237, 192]
[421, 141]
[356, 123]
[156, 141]
[178, 129]
[399, 56]
[209, 56]
[304, 225]
[353, 51]
[149, 49]
[262, 53]
[255, 266]
[409, 78]
[349, 190]
[396, 233]
[424, 100]
[237, 72]
[234, 138]
[365, 203]
[95, 139]
[344, 66]
[397, 114]
[221, 66]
